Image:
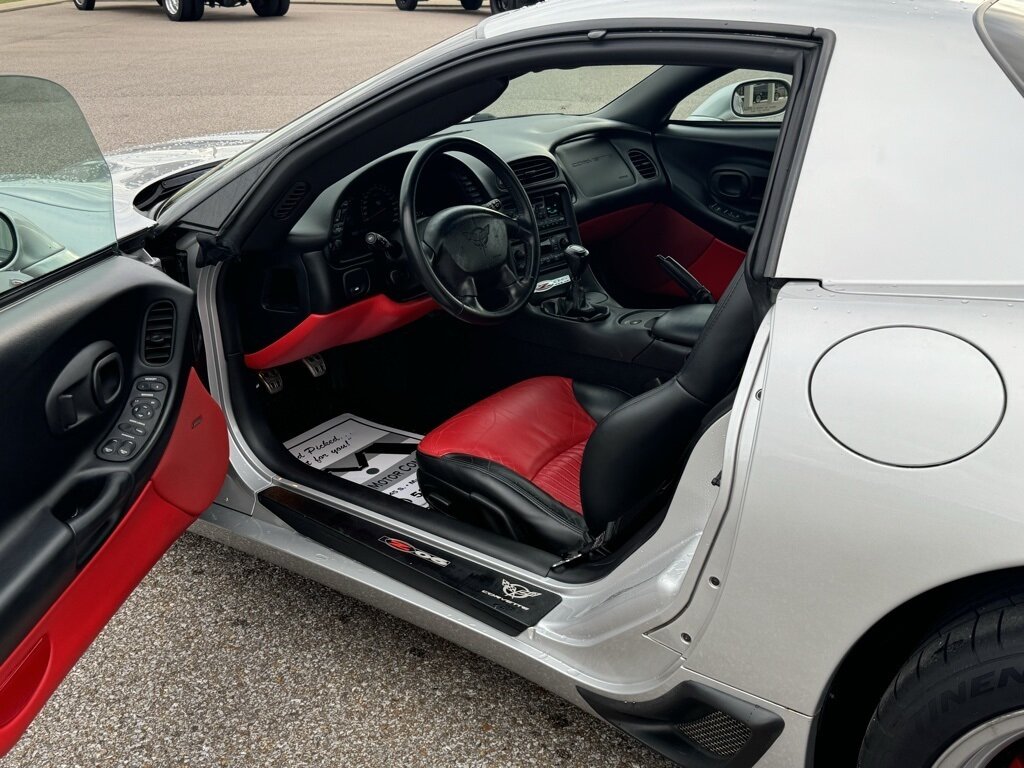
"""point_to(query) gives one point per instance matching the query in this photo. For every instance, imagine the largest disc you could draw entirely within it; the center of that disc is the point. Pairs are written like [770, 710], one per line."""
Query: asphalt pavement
[140, 78]
[219, 659]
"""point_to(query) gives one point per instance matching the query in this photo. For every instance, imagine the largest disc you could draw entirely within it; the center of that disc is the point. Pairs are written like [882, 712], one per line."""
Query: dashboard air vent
[533, 170]
[158, 334]
[643, 163]
[472, 190]
[287, 204]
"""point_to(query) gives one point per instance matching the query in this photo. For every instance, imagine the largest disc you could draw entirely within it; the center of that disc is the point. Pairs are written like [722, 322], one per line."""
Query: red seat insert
[535, 428]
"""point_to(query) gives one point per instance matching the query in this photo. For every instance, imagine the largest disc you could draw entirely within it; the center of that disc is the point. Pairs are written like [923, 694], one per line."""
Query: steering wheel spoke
[521, 226]
[467, 289]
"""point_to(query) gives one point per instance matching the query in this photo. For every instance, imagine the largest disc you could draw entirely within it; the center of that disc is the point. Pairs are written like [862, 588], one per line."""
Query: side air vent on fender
[533, 170]
[287, 204]
[158, 334]
[643, 163]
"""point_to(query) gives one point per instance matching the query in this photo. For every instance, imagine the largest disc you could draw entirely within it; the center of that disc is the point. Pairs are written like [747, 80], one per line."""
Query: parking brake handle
[694, 288]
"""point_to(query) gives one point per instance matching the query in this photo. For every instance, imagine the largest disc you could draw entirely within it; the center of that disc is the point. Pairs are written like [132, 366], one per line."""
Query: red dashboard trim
[363, 320]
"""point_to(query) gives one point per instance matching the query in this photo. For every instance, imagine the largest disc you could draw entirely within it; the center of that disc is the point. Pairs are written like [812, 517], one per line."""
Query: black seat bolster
[598, 400]
[635, 450]
[487, 494]
[639, 448]
[682, 325]
[716, 362]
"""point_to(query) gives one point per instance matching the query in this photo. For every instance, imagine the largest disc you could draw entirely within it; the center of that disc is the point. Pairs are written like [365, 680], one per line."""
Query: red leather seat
[536, 428]
[567, 466]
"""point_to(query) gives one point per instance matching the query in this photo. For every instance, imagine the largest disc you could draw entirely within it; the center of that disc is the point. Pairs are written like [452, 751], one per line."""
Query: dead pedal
[316, 365]
[272, 380]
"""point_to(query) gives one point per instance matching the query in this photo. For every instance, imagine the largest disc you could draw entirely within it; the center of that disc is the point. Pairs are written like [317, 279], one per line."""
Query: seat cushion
[535, 428]
[512, 462]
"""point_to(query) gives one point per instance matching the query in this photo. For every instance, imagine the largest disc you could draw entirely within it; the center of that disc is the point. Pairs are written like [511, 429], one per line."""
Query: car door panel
[80, 526]
[717, 175]
[626, 242]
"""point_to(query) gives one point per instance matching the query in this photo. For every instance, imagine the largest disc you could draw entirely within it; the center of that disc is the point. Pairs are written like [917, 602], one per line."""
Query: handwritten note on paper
[363, 452]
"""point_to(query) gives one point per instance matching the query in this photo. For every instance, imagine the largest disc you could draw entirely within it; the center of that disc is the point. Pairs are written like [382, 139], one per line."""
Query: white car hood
[135, 168]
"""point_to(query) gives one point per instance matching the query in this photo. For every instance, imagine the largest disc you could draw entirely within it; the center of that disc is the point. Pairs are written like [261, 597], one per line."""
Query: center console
[570, 311]
[557, 226]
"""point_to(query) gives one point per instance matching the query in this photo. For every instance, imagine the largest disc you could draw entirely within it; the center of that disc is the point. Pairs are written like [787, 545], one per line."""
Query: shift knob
[576, 257]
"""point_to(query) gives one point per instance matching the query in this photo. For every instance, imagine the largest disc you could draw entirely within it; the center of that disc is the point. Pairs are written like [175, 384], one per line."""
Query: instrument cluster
[370, 203]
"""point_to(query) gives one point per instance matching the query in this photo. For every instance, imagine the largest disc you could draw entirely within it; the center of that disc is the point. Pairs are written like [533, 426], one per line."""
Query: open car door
[112, 445]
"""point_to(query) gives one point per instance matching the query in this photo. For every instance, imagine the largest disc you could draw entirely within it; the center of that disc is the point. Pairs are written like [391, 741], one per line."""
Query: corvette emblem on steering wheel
[478, 236]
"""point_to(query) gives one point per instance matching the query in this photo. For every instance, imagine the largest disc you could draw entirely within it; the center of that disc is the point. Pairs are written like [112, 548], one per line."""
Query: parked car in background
[192, 10]
[497, 6]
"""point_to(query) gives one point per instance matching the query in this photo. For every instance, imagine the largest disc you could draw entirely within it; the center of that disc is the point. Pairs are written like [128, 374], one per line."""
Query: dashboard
[569, 166]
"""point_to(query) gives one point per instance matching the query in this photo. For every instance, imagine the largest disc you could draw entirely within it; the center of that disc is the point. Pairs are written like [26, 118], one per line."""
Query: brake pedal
[272, 380]
[316, 365]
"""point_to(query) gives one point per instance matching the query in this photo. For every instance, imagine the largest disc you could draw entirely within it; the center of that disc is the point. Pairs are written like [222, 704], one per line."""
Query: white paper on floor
[361, 451]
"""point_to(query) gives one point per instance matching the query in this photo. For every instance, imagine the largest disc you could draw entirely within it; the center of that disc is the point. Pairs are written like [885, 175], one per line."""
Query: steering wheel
[463, 255]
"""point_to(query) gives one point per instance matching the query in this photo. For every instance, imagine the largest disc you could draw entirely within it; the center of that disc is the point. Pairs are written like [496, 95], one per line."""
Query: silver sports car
[670, 354]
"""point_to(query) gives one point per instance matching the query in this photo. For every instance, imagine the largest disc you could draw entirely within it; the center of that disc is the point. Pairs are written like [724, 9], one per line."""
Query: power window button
[110, 447]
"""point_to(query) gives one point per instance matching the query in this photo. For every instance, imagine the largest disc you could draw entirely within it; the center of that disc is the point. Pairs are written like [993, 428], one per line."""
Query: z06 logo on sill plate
[404, 546]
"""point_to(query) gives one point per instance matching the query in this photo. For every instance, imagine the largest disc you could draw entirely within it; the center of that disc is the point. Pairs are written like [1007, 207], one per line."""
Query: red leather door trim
[363, 320]
[190, 474]
[624, 244]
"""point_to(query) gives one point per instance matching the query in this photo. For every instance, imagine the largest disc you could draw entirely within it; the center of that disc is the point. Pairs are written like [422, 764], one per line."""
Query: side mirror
[760, 98]
[8, 241]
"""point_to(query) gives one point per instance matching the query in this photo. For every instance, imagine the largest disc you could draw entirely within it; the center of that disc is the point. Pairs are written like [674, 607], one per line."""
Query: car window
[714, 102]
[56, 196]
[578, 91]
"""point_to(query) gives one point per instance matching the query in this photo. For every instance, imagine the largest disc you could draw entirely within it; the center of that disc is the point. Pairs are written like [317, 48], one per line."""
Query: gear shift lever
[576, 259]
[575, 306]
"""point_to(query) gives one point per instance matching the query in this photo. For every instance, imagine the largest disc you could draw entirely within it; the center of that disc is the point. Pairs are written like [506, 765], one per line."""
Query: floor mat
[364, 452]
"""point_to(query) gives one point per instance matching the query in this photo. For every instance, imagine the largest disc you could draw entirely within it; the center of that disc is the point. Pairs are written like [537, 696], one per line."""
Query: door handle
[89, 384]
[91, 508]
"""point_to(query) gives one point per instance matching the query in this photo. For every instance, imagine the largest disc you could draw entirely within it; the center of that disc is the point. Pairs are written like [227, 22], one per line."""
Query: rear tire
[269, 8]
[85, 5]
[968, 674]
[406, 5]
[184, 10]
[472, 5]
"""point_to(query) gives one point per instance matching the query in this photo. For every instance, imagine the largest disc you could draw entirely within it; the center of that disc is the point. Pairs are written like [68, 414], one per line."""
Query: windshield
[577, 91]
[56, 197]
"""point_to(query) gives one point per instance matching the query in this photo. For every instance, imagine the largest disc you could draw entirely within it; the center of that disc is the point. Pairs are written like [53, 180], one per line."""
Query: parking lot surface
[140, 78]
[219, 659]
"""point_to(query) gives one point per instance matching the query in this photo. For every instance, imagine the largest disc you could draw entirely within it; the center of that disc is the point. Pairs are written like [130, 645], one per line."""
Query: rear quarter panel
[828, 541]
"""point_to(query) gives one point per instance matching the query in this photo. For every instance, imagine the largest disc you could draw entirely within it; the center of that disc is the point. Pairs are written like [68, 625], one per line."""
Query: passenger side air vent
[286, 206]
[533, 170]
[158, 334]
[643, 163]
